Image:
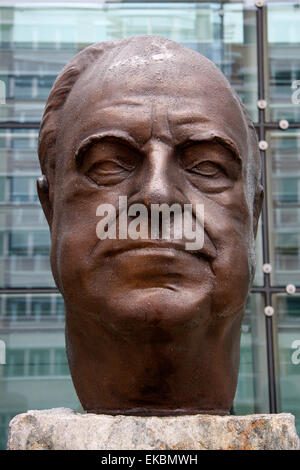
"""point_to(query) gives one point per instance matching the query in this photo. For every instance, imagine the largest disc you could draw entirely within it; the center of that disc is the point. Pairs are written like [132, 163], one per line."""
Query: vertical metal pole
[266, 249]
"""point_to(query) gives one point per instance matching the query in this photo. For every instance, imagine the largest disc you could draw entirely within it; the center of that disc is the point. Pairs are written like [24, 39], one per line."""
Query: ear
[44, 197]
[257, 206]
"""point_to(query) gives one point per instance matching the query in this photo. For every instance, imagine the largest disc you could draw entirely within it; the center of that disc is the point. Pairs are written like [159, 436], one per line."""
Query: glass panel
[252, 391]
[24, 233]
[287, 339]
[37, 41]
[283, 87]
[283, 158]
[36, 373]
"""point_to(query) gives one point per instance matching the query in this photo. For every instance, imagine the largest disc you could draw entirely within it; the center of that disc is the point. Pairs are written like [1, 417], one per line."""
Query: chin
[127, 304]
[157, 308]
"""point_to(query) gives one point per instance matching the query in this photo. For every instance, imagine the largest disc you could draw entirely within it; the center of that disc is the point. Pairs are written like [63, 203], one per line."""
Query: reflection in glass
[283, 26]
[283, 159]
[24, 233]
[37, 41]
[36, 373]
[252, 391]
[287, 340]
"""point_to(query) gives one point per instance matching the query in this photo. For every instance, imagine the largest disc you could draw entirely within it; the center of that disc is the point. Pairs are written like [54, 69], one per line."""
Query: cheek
[72, 241]
[75, 218]
[69, 257]
[232, 269]
[230, 229]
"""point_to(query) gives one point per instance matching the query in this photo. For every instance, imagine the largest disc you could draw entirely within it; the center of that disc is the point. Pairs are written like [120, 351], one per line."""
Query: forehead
[176, 94]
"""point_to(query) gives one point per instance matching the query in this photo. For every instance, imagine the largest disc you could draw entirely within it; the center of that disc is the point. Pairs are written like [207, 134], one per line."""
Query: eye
[207, 169]
[108, 172]
[107, 167]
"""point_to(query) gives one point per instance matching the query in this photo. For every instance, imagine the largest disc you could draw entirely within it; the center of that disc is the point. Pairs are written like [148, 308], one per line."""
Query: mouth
[160, 248]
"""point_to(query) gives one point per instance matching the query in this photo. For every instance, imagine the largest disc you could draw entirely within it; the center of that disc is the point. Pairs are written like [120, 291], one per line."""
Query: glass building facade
[258, 51]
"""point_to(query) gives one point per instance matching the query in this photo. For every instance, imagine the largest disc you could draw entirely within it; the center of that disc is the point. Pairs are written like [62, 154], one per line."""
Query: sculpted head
[151, 328]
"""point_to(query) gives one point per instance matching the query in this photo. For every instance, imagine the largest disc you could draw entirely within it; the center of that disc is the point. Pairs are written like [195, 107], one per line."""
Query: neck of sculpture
[158, 372]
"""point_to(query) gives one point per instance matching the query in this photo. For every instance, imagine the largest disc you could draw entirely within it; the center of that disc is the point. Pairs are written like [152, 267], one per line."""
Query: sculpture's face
[154, 126]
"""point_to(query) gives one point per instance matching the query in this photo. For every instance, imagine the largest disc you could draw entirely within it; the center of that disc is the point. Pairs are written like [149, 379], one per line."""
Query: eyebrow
[95, 138]
[210, 136]
[223, 140]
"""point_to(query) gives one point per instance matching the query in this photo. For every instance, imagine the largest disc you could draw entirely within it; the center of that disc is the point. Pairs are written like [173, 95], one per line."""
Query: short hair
[73, 70]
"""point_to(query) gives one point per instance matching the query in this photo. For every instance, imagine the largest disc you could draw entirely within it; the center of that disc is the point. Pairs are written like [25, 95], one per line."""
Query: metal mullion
[265, 227]
[275, 126]
[272, 290]
[19, 125]
[34, 290]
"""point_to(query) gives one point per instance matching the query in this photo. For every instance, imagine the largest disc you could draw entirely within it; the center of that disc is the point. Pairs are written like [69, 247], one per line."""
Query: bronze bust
[151, 328]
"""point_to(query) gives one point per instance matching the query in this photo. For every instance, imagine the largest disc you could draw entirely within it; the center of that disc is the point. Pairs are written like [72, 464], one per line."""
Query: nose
[157, 181]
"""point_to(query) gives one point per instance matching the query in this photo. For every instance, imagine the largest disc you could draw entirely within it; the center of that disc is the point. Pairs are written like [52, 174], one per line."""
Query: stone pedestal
[62, 428]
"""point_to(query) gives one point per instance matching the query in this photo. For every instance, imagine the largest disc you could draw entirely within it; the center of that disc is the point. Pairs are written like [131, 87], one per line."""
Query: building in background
[258, 50]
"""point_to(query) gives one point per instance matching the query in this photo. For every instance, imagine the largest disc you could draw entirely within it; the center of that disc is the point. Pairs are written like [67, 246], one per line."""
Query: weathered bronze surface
[151, 328]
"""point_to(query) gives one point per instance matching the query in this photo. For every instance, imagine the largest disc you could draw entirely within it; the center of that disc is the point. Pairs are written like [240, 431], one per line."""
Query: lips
[118, 247]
